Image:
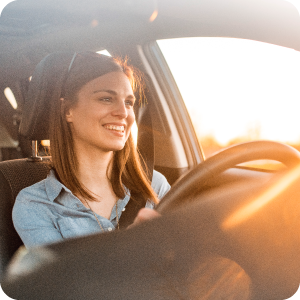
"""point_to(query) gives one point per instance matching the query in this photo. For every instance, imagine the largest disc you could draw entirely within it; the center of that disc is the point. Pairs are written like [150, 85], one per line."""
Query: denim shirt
[48, 212]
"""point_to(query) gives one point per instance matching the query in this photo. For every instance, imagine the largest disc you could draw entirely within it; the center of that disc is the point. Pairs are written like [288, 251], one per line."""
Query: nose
[120, 110]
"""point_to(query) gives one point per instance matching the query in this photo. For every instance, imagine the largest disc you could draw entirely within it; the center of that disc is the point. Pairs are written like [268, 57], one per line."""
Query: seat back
[14, 176]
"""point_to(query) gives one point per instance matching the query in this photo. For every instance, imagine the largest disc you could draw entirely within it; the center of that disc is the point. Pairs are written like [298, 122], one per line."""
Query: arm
[161, 186]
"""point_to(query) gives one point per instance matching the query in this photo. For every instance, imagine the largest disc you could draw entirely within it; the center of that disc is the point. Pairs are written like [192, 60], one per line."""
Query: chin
[115, 147]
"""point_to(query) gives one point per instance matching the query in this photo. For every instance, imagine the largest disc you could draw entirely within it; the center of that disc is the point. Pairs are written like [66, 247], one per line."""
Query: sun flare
[250, 209]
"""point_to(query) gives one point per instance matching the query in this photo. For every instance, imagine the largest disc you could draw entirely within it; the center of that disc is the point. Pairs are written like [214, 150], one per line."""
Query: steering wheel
[228, 158]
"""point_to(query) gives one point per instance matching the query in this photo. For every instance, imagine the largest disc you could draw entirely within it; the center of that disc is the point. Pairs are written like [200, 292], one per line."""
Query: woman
[95, 167]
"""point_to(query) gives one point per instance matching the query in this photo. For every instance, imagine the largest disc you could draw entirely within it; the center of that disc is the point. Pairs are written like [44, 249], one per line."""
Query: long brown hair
[126, 167]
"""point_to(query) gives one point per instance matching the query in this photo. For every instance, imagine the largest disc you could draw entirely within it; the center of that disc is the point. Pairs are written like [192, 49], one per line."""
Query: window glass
[237, 90]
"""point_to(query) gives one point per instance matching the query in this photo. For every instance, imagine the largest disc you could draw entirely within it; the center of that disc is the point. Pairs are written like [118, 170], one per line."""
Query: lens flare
[153, 16]
[248, 210]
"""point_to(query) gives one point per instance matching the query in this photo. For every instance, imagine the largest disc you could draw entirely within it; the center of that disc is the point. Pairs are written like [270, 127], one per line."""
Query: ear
[69, 115]
[66, 110]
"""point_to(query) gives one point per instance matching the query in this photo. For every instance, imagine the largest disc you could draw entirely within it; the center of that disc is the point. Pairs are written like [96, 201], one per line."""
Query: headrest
[45, 86]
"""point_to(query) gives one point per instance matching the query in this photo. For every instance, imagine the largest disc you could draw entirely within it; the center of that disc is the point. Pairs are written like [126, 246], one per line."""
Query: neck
[93, 169]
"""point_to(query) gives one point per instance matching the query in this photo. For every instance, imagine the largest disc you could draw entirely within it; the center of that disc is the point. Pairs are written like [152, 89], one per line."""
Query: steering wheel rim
[222, 161]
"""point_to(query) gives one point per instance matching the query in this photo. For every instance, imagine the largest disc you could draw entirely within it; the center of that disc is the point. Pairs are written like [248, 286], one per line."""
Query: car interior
[208, 191]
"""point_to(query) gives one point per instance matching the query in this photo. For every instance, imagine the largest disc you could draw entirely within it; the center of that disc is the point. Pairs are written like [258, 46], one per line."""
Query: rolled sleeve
[160, 184]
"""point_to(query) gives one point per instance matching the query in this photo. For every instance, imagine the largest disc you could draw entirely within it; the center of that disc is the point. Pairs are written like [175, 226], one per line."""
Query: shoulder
[158, 179]
[160, 184]
[33, 192]
[26, 205]
[30, 205]
[28, 201]
[45, 190]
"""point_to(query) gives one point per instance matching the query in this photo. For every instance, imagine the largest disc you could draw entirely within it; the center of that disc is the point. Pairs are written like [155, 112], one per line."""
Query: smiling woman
[95, 167]
[101, 118]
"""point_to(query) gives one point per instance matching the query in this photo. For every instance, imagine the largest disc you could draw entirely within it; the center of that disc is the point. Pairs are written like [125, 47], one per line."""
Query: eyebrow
[107, 91]
[112, 93]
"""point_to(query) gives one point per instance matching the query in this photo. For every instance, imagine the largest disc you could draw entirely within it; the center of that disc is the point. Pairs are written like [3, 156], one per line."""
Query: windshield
[237, 90]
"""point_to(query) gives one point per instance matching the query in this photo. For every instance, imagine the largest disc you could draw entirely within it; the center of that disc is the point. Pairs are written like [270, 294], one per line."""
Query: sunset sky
[235, 87]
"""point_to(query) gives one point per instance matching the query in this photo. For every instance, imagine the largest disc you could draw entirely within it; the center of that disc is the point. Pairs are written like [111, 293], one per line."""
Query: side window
[237, 90]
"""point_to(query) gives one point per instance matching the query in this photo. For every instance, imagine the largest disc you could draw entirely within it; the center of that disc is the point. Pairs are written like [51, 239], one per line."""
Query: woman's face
[103, 114]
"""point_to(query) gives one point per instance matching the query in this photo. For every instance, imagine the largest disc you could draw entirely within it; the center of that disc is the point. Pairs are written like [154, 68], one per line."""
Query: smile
[115, 128]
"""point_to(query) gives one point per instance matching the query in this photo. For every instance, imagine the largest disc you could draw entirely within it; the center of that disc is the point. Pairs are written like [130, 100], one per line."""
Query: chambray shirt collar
[54, 187]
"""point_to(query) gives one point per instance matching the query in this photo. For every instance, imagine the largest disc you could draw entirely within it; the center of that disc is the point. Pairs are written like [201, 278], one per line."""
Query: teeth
[114, 127]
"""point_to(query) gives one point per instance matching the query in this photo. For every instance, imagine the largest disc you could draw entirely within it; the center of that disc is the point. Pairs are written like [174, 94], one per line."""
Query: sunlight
[104, 52]
[217, 277]
[248, 210]
[45, 143]
[134, 132]
[237, 90]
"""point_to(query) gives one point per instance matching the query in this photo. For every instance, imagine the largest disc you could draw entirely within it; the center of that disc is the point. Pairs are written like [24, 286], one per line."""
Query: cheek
[89, 114]
[83, 120]
[131, 118]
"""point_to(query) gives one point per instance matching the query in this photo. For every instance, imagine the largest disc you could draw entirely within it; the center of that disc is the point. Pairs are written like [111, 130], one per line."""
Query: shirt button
[109, 229]
[123, 209]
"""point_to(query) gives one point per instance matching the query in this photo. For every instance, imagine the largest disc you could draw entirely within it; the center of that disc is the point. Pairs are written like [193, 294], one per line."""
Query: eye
[105, 99]
[129, 102]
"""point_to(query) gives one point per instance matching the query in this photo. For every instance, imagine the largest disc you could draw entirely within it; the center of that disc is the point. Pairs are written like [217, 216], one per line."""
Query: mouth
[116, 128]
